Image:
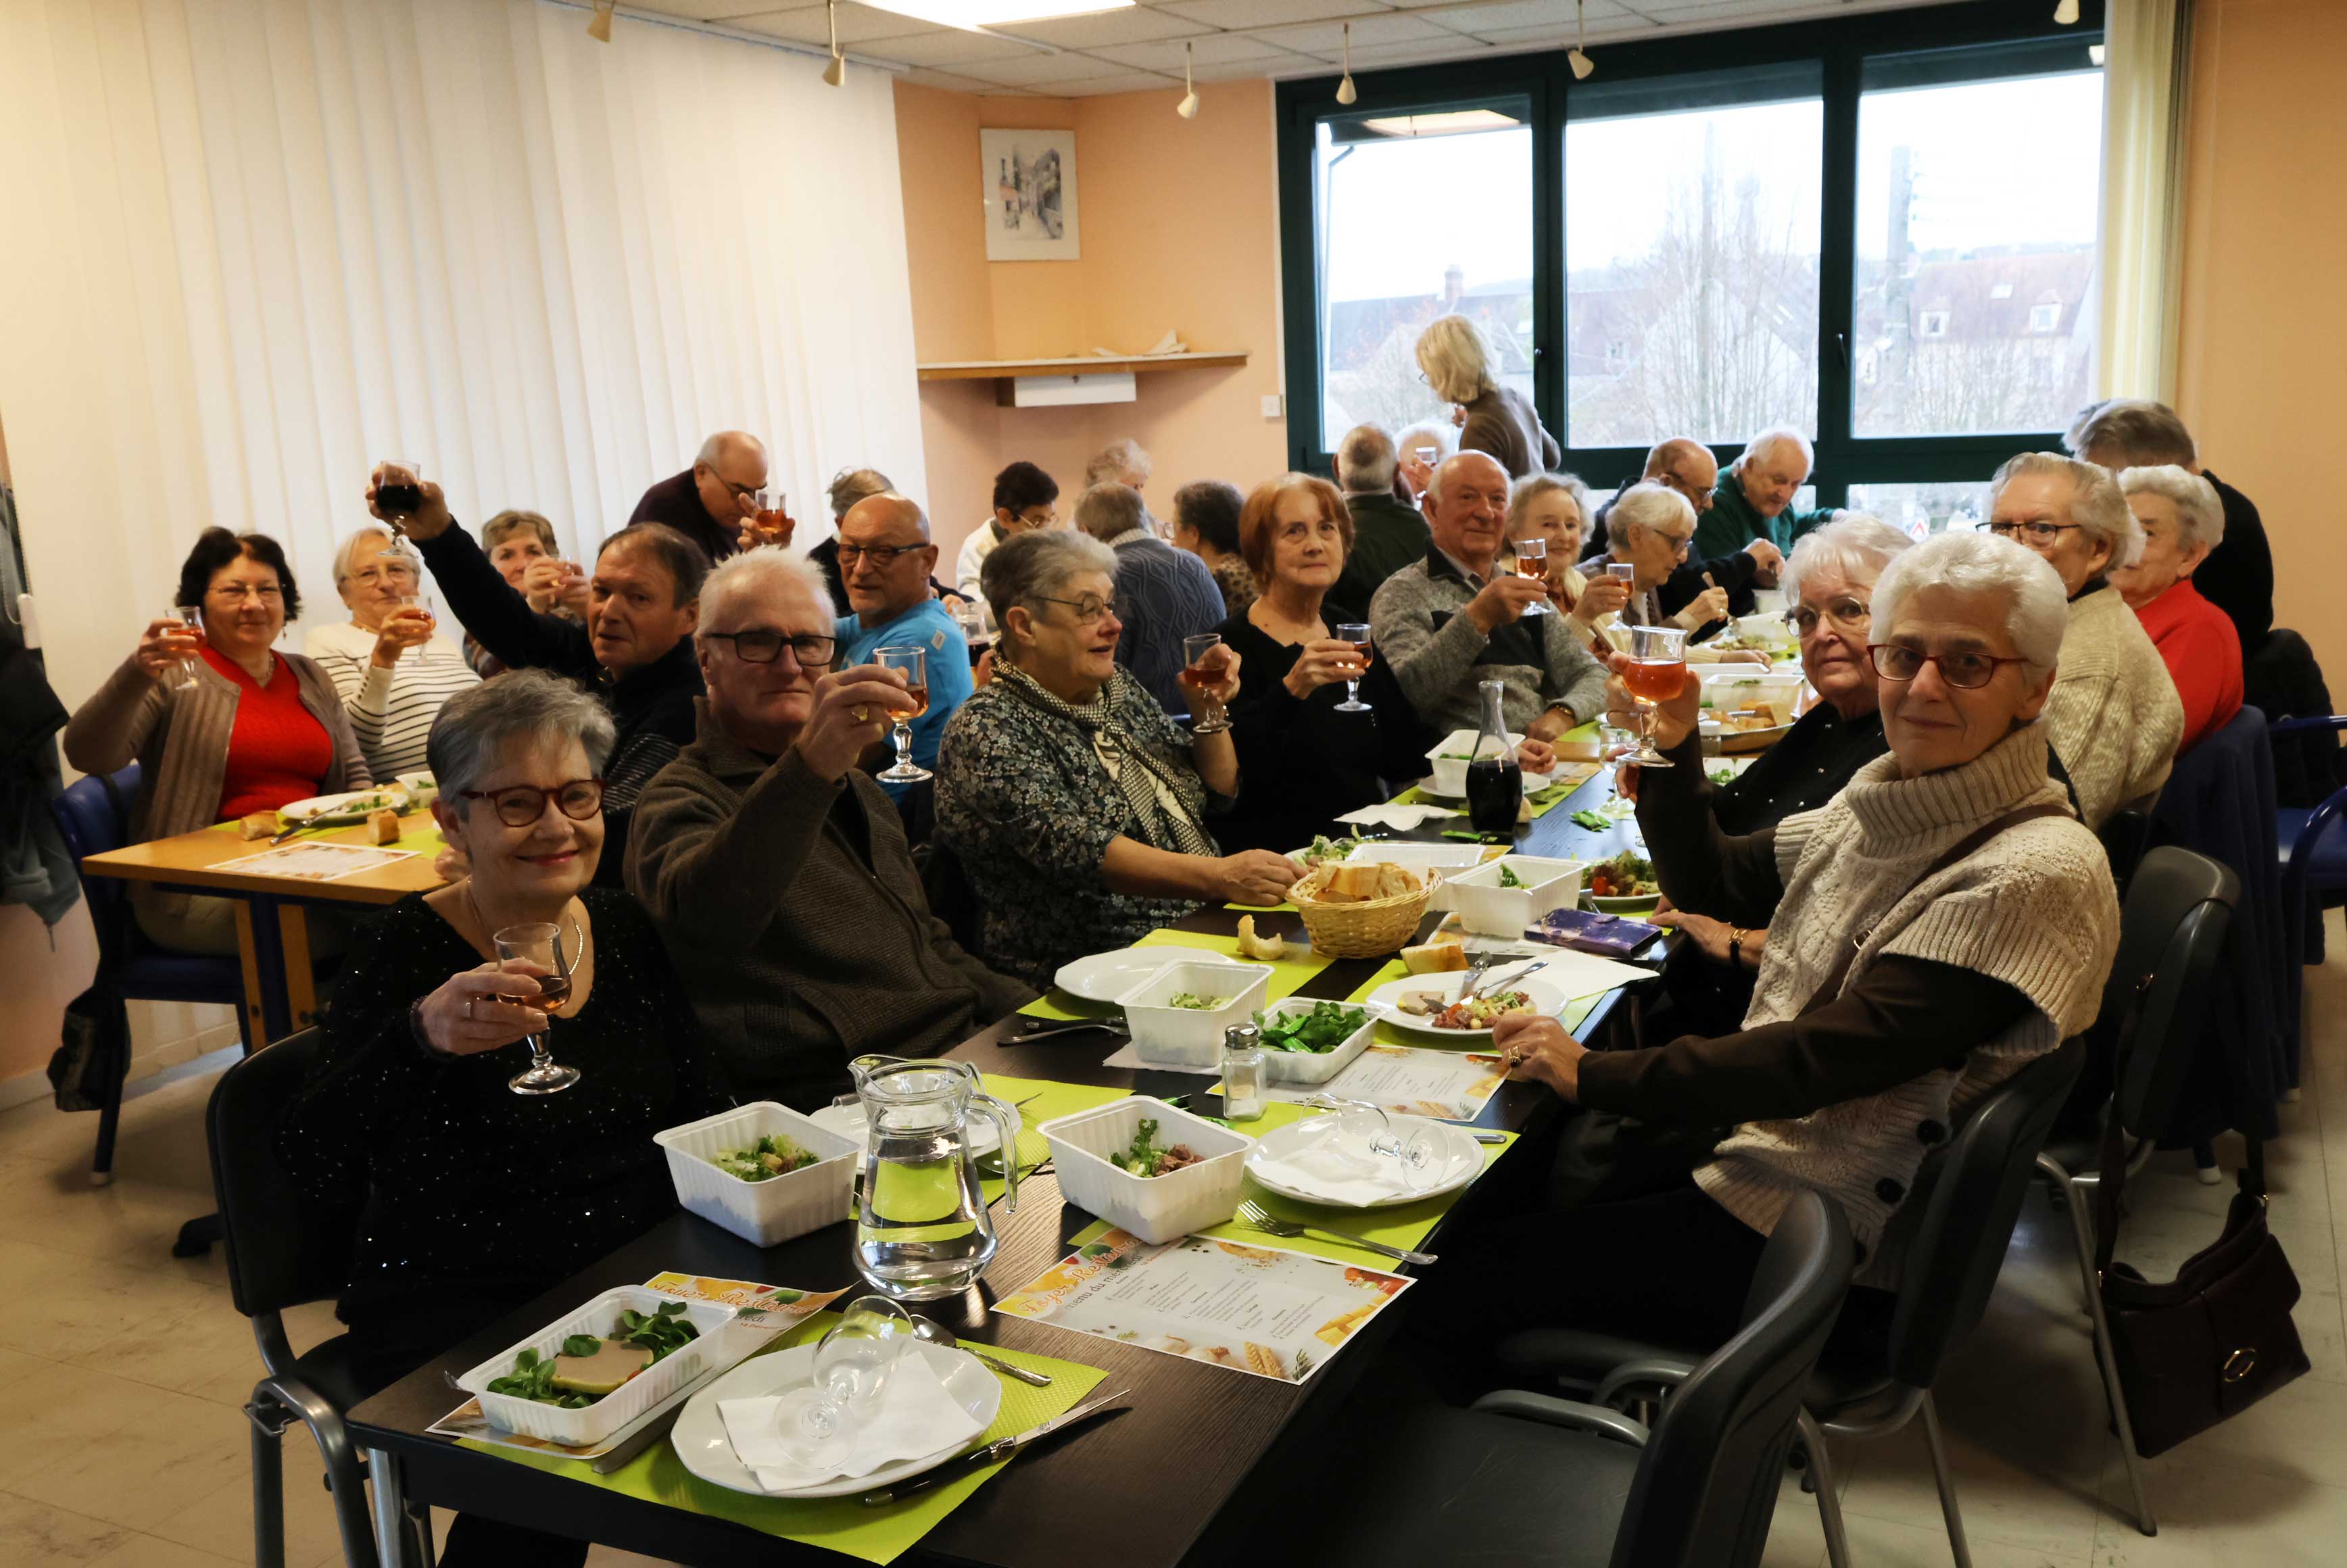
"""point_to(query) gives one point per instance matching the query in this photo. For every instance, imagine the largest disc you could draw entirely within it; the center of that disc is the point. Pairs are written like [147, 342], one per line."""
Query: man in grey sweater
[778, 874]
[1446, 624]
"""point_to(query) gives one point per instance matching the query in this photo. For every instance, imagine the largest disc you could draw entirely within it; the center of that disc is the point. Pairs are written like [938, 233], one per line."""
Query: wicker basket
[1363, 928]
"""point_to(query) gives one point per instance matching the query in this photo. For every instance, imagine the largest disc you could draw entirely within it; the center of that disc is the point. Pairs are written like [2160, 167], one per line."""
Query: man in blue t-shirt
[884, 561]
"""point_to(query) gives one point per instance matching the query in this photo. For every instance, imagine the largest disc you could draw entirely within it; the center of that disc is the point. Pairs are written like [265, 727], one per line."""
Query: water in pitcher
[921, 1225]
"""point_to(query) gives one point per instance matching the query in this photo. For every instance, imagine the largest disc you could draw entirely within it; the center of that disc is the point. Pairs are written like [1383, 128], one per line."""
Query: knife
[1000, 1449]
[605, 1463]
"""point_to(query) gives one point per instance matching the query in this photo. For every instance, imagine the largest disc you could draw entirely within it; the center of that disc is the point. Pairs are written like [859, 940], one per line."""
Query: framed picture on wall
[1030, 178]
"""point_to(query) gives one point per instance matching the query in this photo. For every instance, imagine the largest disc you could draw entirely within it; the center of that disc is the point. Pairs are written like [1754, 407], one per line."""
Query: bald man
[712, 502]
[884, 561]
[1743, 563]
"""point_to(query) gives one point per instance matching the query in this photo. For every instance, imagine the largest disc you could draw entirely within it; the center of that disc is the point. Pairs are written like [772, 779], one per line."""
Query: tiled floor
[123, 1444]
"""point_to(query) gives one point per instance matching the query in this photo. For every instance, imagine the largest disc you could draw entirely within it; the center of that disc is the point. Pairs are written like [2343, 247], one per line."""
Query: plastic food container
[1154, 1208]
[600, 1316]
[765, 1213]
[1450, 773]
[1488, 909]
[1168, 1036]
[1314, 1067]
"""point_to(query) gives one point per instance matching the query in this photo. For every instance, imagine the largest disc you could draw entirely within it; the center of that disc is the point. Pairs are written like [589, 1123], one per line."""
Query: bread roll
[260, 824]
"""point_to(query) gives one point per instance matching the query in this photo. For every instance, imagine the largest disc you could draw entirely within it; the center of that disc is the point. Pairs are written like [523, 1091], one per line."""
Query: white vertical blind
[279, 239]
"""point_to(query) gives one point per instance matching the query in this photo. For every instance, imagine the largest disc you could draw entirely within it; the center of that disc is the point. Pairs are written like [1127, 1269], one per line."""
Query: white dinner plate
[351, 806]
[1545, 1000]
[701, 1444]
[1105, 977]
[849, 1122]
[1462, 1158]
[1639, 903]
[1533, 783]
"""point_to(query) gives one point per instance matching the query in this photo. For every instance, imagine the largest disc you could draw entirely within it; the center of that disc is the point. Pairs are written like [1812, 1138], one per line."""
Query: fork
[1257, 1217]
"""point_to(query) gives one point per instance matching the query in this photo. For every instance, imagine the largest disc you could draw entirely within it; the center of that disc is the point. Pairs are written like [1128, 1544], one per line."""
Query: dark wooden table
[1157, 1474]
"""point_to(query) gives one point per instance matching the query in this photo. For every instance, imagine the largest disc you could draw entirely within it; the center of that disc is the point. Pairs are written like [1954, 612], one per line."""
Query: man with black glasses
[884, 561]
[714, 503]
[775, 869]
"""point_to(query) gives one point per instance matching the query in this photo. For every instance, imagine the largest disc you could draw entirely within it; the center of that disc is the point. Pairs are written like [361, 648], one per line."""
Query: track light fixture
[1188, 107]
[2067, 12]
[1346, 92]
[1577, 56]
[598, 26]
[834, 73]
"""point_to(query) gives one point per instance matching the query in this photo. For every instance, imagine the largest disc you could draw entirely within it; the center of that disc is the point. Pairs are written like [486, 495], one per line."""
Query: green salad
[1145, 1156]
[1508, 878]
[1326, 849]
[771, 1156]
[1195, 1002]
[1327, 1026]
[588, 1367]
[1723, 777]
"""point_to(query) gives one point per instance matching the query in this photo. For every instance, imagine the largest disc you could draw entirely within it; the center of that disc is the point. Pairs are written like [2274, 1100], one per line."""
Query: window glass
[1691, 237]
[1974, 307]
[1921, 509]
[1386, 272]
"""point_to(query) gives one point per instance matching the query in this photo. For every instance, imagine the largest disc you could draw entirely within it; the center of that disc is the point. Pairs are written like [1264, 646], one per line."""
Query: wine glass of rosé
[539, 947]
[1531, 561]
[1658, 669]
[913, 664]
[1202, 666]
[1358, 635]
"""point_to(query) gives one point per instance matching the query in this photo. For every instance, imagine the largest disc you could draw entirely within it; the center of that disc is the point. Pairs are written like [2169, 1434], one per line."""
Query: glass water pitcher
[921, 1225]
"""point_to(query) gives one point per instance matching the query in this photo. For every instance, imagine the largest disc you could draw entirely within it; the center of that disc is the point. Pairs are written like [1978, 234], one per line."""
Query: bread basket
[1364, 927]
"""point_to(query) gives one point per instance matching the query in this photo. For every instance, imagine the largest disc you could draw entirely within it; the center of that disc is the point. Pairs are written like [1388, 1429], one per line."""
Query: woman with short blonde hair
[1457, 362]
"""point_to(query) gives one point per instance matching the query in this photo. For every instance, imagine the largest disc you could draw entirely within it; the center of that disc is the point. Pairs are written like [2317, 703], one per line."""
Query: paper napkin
[916, 1416]
[1401, 818]
[1330, 1177]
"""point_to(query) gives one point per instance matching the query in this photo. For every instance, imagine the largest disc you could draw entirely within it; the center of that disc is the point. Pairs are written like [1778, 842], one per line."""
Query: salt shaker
[1242, 1072]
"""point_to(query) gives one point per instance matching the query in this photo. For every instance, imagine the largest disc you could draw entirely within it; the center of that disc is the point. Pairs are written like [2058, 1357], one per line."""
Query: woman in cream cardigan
[1960, 971]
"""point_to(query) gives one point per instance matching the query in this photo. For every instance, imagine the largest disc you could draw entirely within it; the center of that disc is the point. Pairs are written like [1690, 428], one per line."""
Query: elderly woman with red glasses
[1940, 923]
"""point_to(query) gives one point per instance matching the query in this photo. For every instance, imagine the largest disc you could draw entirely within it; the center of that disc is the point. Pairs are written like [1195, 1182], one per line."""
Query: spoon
[938, 1334]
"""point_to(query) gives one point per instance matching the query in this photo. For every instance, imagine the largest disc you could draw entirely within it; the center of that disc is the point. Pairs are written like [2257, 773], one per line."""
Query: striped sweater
[391, 711]
[2034, 907]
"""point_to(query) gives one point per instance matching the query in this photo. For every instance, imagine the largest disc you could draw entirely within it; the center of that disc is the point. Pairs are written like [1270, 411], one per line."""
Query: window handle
[1841, 342]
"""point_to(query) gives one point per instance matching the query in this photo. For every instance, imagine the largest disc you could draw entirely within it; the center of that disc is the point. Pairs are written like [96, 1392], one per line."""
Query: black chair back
[2124, 833]
[93, 816]
[280, 1252]
[1955, 1250]
[2173, 933]
[1708, 1483]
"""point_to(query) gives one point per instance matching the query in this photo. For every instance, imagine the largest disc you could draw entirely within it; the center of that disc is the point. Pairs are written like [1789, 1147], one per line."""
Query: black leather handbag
[2218, 1337]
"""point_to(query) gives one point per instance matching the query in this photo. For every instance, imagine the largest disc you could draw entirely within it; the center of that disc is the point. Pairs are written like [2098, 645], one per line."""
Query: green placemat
[839, 1524]
[1286, 975]
[1051, 1100]
[1261, 909]
[421, 835]
[1060, 1006]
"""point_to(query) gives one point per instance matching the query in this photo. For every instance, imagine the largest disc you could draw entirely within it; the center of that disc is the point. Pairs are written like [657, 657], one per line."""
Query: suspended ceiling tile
[1328, 38]
[1530, 37]
[1408, 54]
[946, 79]
[1242, 15]
[1517, 14]
[953, 47]
[1213, 49]
[1133, 25]
[1042, 70]
[1124, 82]
[857, 25]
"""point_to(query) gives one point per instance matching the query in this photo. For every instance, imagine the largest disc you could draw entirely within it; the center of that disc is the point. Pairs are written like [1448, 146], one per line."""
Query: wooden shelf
[1088, 364]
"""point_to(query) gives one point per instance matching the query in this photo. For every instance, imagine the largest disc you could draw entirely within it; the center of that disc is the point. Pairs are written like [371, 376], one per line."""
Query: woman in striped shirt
[391, 672]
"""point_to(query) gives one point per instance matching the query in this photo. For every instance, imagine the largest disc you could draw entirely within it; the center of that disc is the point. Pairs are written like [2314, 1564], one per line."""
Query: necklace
[578, 935]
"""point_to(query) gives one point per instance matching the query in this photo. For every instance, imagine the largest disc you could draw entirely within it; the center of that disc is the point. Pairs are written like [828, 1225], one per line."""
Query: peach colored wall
[2261, 338]
[1180, 229]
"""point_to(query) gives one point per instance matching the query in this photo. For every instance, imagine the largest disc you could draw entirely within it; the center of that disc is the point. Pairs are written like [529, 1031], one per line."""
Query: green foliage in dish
[660, 1332]
[771, 1156]
[1327, 1026]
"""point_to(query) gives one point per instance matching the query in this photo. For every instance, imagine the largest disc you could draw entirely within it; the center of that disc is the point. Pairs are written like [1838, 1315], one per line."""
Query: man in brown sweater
[778, 873]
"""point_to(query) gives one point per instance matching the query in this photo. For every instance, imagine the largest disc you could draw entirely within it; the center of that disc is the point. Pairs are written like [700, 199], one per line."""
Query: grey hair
[1117, 460]
[2198, 512]
[1533, 487]
[1027, 568]
[1439, 434]
[475, 725]
[2038, 607]
[1457, 360]
[1858, 545]
[1109, 509]
[1648, 505]
[2096, 504]
[1773, 435]
[752, 572]
[2133, 433]
[1365, 460]
[850, 485]
[348, 549]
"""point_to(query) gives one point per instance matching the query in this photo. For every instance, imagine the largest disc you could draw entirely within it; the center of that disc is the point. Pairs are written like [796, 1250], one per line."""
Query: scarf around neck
[1167, 801]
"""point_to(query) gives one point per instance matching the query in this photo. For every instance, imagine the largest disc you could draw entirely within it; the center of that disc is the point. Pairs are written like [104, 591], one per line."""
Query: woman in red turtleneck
[2182, 521]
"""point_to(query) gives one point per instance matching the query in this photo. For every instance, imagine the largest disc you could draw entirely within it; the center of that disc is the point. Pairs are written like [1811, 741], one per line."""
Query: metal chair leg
[268, 1484]
[396, 1536]
[2108, 1362]
[1813, 1436]
[344, 1478]
[419, 1534]
[2074, 1203]
[1941, 1474]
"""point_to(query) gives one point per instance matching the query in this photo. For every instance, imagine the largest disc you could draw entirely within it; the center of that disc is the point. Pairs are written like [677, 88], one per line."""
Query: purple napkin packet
[1585, 931]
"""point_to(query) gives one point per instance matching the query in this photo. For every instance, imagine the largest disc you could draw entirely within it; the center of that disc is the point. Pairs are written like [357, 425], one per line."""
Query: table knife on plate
[1000, 1449]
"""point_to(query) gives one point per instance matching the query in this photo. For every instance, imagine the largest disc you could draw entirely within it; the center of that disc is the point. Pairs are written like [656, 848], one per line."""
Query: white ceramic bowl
[578, 1429]
[1488, 909]
[765, 1213]
[1448, 773]
[1168, 1036]
[1154, 1208]
[1310, 1066]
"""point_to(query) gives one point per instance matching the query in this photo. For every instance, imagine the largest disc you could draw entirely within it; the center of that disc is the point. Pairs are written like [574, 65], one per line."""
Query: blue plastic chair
[93, 816]
[2313, 845]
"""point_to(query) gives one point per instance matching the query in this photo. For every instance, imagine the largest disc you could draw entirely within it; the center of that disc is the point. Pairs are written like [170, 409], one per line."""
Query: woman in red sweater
[2182, 521]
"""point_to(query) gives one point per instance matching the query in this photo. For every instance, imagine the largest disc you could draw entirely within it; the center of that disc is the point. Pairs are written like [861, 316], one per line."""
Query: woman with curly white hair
[2182, 520]
[2114, 717]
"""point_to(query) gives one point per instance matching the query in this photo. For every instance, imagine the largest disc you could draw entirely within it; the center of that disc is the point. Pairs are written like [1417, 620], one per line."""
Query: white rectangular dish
[581, 1427]
[1448, 773]
[1314, 1067]
[765, 1213]
[1169, 1036]
[1154, 1208]
[1488, 909]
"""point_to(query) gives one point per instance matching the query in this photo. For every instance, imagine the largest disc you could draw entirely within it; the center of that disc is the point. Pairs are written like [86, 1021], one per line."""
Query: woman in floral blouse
[1077, 806]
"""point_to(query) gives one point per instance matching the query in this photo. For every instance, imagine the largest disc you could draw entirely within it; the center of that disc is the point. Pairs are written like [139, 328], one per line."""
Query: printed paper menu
[1260, 1310]
[315, 861]
[1447, 1085]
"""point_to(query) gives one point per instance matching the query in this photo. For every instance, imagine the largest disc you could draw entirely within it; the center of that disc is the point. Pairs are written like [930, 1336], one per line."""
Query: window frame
[1970, 32]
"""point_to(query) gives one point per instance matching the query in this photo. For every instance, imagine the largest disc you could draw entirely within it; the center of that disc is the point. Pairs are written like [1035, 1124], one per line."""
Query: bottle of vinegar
[1495, 784]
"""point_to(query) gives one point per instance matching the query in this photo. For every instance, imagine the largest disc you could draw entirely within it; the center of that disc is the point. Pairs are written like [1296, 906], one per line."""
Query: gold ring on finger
[862, 715]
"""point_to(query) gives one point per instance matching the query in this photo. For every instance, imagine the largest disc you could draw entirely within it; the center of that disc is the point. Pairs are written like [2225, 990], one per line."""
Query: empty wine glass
[913, 664]
[1367, 1137]
[190, 615]
[539, 946]
[1358, 635]
[852, 1364]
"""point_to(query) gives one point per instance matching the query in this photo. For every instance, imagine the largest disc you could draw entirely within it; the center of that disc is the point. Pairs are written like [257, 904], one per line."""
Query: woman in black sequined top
[467, 1198]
